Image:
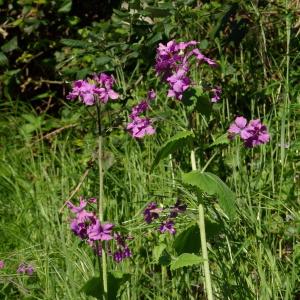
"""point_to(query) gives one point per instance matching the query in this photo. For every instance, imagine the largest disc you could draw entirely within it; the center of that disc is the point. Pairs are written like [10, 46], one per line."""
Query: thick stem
[208, 285]
[100, 202]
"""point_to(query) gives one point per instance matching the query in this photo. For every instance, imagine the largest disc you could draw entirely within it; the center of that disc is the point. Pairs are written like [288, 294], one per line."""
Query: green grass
[254, 256]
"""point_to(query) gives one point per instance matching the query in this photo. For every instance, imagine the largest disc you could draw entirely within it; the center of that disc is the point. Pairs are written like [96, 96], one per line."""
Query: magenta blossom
[140, 127]
[84, 91]
[89, 91]
[253, 134]
[151, 212]
[2, 264]
[167, 226]
[98, 231]
[151, 95]
[216, 94]
[179, 82]
[139, 109]
[25, 269]
[237, 127]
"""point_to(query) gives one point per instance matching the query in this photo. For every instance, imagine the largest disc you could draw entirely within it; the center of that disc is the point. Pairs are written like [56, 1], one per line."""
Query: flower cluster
[152, 212]
[253, 134]
[25, 269]
[2, 264]
[141, 126]
[173, 64]
[88, 91]
[87, 227]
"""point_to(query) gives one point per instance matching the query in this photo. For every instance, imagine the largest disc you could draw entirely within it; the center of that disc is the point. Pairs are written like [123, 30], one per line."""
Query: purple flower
[151, 212]
[167, 226]
[216, 94]
[237, 127]
[88, 92]
[2, 264]
[151, 95]
[25, 269]
[84, 91]
[140, 127]
[255, 134]
[202, 57]
[82, 220]
[139, 109]
[120, 255]
[98, 231]
[177, 208]
[179, 82]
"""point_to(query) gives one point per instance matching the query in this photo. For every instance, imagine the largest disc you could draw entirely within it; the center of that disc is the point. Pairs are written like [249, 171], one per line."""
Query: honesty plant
[176, 63]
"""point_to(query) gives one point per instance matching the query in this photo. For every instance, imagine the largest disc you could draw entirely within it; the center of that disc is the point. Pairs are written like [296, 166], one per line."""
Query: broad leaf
[176, 142]
[196, 99]
[212, 185]
[185, 260]
[182, 243]
[157, 251]
[94, 286]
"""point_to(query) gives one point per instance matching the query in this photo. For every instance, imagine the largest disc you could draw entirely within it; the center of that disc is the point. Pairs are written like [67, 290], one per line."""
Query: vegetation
[50, 151]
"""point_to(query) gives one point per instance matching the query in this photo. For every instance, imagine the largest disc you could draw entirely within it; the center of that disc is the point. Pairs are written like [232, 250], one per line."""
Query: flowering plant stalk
[100, 202]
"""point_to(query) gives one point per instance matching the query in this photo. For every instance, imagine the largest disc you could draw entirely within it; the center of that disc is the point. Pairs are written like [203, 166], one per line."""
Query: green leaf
[212, 185]
[3, 59]
[223, 139]
[102, 60]
[157, 251]
[65, 7]
[176, 142]
[196, 99]
[11, 45]
[94, 286]
[182, 243]
[184, 260]
[157, 12]
[74, 43]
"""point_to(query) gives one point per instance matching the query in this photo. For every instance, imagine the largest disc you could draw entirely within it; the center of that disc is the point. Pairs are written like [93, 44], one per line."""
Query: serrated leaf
[212, 185]
[174, 143]
[3, 59]
[223, 139]
[185, 260]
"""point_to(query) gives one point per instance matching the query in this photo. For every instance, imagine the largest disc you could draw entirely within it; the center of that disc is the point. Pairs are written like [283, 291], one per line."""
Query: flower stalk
[208, 286]
[100, 202]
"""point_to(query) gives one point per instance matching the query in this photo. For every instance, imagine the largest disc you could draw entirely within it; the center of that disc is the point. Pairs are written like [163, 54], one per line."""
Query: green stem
[100, 202]
[208, 285]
